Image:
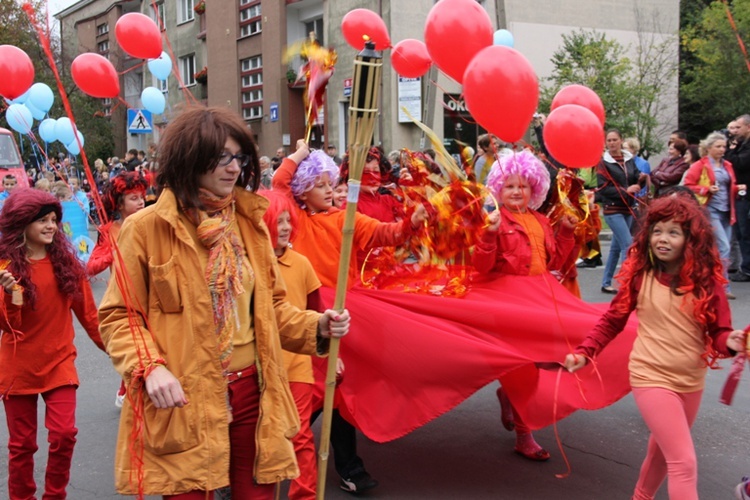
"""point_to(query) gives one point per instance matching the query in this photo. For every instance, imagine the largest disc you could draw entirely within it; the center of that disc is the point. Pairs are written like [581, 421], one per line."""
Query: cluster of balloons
[574, 130]
[500, 87]
[51, 130]
[139, 37]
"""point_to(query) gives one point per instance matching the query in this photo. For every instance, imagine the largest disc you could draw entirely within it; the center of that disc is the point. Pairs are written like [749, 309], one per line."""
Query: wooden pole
[363, 112]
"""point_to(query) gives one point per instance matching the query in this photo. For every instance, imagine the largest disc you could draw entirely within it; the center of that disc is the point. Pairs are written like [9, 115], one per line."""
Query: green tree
[96, 129]
[714, 76]
[632, 90]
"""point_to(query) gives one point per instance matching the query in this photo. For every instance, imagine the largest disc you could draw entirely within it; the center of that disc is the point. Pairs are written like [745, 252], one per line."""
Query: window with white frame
[103, 47]
[187, 70]
[251, 83]
[163, 85]
[102, 29]
[185, 11]
[250, 19]
[157, 14]
[252, 113]
[315, 26]
[107, 106]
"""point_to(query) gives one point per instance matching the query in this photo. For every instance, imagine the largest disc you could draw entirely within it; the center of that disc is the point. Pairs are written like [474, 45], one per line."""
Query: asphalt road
[465, 454]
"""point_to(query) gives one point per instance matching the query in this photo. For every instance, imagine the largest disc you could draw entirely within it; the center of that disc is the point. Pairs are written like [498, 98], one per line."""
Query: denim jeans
[742, 208]
[723, 235]
[620, 225]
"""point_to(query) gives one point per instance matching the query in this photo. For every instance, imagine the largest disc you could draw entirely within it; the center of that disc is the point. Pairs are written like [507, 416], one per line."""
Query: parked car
[10, 159]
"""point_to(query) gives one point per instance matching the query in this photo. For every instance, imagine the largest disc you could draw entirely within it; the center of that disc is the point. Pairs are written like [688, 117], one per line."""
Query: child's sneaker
[741, 491]
[358, 482]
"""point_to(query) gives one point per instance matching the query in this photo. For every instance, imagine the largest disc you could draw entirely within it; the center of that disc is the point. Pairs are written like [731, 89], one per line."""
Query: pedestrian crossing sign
[139, 121]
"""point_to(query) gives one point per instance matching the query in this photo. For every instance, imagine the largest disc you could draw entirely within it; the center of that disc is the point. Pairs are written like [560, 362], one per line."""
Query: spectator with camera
[739, 157]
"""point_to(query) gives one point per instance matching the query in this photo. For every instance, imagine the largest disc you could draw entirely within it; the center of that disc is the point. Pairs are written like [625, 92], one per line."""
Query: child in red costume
[36, 350]
[673, 279]
[520, 241]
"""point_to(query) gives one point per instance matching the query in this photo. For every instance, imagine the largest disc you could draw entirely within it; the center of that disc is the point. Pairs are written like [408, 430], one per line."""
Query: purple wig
[527, 167]
[310, 169]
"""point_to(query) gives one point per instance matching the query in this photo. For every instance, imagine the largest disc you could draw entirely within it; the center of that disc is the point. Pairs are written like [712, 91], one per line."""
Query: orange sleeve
[371, 233]
[101, 258]
[282, 179]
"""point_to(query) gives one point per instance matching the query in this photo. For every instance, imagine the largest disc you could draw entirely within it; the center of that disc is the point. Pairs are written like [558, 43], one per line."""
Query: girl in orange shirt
[36, 350]
[673, 279]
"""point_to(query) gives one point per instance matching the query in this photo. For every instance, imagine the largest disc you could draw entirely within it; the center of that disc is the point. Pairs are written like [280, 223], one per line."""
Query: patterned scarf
[215, 229]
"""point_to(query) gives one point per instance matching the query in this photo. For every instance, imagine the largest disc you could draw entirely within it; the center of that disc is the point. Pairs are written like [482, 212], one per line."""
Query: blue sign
[139, 121]
[273, 110]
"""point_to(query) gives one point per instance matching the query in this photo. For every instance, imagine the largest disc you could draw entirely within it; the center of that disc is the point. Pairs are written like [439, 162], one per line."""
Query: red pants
[60, 421]
[303, 488]
[669, 416]
[244, 398]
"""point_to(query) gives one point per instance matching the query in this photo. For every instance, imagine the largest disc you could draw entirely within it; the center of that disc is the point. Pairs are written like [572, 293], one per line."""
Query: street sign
[139, 121]
[273, 110]
[347, 87]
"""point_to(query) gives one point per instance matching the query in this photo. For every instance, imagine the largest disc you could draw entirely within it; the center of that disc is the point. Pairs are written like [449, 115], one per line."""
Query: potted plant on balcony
[202, 76]
[200, 7]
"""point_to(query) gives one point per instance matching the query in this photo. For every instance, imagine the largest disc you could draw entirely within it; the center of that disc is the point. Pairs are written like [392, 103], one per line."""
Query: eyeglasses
[226, 158]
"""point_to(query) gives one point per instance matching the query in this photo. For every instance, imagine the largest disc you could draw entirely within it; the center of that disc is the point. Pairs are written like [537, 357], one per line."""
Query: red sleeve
[282, 178]
[10, 317]
[720, 328]
[692, 177]
[610, 325]
[485, 252]
[87, 314]
[101, 257]
[371, 233]
[564, 243]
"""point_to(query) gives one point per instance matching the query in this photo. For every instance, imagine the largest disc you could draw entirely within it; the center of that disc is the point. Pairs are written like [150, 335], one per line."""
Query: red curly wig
[278, 204]
[20, 210]
[701, 267]
[119, 186]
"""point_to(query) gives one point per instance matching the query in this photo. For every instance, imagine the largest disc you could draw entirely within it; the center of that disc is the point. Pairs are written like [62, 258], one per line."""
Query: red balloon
[574, 136]
[582, 96]
[410, 58]
[138, 35]
[454, 32]
[360, 25]
[17, 70]
[95, 75]
[501, 91]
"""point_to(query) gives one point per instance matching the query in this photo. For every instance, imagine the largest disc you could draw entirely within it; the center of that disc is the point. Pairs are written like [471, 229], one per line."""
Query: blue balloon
[64, 130]
[47, 130]
[41, 96]
[19, 118]
[161, 67]
[153, 100]
[37, 113]
[503, 37]
[73, 147]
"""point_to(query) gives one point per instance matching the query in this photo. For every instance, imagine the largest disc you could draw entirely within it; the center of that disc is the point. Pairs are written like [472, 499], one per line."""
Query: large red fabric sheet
[410, 358]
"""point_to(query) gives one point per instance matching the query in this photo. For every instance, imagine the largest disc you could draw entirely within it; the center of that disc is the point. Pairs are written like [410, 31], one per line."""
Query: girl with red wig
[36, 350]
[673, 279]
[122, 197]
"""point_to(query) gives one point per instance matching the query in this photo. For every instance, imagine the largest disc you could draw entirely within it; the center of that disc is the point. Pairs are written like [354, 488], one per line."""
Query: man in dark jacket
[739, 157]
[131, 160]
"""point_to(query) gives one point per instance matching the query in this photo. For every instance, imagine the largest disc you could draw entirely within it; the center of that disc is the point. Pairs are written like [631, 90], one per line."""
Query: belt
[245, 372]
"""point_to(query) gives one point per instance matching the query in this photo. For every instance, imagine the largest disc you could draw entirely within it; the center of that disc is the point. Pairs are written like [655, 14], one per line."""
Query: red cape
[410, 358]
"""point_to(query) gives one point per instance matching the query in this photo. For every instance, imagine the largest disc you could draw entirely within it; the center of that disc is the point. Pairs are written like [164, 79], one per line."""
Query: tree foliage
[96, 129]
[632, 89]
[714, 76]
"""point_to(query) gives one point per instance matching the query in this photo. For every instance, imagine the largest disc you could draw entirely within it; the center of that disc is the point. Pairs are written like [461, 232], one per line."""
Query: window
[251, 78]
[187, 70]
[157, 15]
[315, 26]
[252, 113]
[185, 11]
[163, 85]
[103, 47]
[250, 20]
[102, 29]
[107, 106]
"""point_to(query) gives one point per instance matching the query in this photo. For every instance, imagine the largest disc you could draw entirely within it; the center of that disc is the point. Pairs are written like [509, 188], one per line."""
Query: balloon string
[737, 34]
[139, 65]
[554, 427]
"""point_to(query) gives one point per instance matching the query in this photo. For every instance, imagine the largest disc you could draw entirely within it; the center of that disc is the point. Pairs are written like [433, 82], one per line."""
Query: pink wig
[527, 167]
[310, 169]
[21, 209]
[277, 205]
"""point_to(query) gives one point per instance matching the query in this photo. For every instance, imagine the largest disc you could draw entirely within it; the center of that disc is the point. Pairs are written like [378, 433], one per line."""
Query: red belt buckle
[245, 372]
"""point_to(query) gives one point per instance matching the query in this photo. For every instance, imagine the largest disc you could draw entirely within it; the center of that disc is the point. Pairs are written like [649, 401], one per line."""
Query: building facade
[241, 44]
